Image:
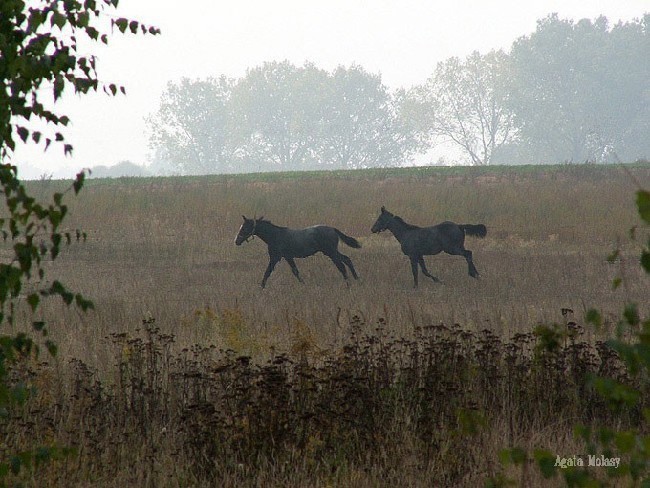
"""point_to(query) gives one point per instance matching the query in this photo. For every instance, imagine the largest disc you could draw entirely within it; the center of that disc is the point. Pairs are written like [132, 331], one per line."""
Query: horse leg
[336, 259]
[425, 271]
[347, 261]
[273, 260]
[414, 269]
[471, 269]
[470, 263]
[294, 269]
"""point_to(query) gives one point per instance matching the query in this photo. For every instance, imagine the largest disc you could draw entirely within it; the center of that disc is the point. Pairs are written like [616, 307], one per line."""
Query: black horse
[420, 241]
[297, 243]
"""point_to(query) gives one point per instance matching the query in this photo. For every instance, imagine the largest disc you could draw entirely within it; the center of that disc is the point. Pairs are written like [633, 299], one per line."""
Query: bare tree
[462, 103]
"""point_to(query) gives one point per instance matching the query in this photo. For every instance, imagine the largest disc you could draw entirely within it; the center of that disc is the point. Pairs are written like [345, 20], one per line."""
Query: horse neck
[398, 227]
[267, 231]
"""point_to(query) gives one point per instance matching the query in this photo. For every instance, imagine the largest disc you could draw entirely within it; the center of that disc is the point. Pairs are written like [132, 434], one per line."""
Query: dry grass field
[140, 385]
[164, 248]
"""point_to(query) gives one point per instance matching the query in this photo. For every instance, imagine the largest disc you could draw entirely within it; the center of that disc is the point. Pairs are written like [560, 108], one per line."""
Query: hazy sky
[403, 40]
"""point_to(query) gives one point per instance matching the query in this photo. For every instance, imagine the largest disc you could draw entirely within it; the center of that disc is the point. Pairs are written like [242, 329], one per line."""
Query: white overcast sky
[401, 39]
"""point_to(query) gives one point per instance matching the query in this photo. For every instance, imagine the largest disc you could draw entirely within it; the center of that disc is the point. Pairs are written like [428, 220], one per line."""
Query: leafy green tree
[282, 116]
[362, 124]
[192, 130]
[463, 103]
[41, 57]
[579, 90]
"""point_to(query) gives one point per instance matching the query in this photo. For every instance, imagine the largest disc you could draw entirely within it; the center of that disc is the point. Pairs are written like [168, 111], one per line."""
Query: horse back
[433, 240]
[300, 243]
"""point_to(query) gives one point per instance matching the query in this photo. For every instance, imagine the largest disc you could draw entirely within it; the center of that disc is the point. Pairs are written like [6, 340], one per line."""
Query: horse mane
[406, 224]
[267, 221]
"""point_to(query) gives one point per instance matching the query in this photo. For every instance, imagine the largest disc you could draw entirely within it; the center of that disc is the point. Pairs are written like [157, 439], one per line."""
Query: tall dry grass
[187, 362]
[431, 410]
[164, 248]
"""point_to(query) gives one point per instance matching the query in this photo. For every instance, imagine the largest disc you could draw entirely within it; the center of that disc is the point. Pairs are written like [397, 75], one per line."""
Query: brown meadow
[188, 373]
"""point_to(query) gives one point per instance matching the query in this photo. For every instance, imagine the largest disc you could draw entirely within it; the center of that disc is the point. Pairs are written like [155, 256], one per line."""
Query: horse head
[382, 221]
[246, 231]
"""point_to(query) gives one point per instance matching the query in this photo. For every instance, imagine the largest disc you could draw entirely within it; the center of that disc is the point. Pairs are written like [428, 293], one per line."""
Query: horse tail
[350, 241]
[478, 230]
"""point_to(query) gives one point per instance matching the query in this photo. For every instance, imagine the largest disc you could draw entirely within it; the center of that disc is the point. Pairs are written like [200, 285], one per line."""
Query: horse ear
[244, 217]
[383, 209]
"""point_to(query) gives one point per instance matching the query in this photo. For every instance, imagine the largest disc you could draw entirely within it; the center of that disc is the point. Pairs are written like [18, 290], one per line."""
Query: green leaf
[549, 338]
[56, 244]
[643, 204]
[83, 18]
[121, 24]
[593, 317]
[79, 182]
[615, 393]
[625, 441]
[23, 133]
[546, 462]
[82, 303]
[52, 348]
[631, 314]
[606, 436]
[645, 260]
[15, 464]
[582, 432]
[516, 456]
[36, 19]
[627, 352]
[92, 33]
[57, 288]
[33, 301]
[38, 326]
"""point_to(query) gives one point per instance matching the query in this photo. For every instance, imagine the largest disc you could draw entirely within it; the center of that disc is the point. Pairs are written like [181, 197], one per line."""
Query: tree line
[570, 91]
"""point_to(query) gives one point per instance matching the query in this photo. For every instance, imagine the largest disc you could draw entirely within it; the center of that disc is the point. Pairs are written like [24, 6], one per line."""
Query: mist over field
[322, 244]
[571, 91]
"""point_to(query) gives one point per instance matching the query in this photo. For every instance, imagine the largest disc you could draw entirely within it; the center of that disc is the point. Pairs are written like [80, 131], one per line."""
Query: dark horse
[297, 243]
[420, 241]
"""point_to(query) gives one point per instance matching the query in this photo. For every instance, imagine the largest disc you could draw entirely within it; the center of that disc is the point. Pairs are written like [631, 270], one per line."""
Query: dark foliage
[223, 414]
